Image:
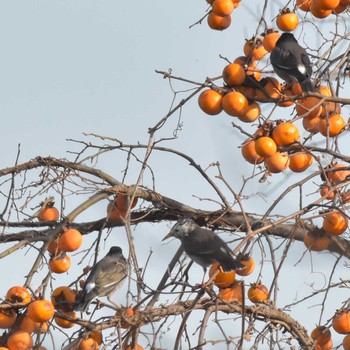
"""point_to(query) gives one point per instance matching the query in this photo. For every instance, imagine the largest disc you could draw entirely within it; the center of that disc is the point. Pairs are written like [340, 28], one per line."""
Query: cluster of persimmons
[277, 143]
[32, 314]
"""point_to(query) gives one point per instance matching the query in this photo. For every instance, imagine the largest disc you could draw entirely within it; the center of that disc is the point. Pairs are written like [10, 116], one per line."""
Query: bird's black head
[285, 37]
[115, 251]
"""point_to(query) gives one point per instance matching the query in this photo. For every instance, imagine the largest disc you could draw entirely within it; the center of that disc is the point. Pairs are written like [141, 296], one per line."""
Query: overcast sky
[74, 67]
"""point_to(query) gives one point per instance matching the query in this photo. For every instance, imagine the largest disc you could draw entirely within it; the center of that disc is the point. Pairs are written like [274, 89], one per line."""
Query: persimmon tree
[47, 204]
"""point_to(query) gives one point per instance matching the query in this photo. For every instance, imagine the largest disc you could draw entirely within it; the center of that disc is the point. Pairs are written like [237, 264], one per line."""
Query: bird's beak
[170, 234]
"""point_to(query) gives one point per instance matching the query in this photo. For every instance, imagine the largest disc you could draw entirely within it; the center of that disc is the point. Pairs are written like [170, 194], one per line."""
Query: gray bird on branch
[105, 278]
[203, 246]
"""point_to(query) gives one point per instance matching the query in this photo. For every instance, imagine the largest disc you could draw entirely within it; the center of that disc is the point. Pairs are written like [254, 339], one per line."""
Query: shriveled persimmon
[234, 103]
[40, 310]
[285, 134]
[335, 223]
[18, 294]
[277, 163]
[70, 240]
[217, 22]
[222, 279]
[60, 264]
[20, 340]
[258, 293]
[63, 298]
[287, 20]
[209, 102]
[300, 161]
[231, 294]
[341, 322]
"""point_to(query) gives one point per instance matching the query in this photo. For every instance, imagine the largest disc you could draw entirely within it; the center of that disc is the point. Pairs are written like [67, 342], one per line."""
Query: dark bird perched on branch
[291, 62]
[203, 246]
[104, 278]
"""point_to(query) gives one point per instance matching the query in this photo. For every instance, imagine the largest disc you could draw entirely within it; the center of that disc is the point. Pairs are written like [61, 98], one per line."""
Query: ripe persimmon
[304, 5]
[311, 124]
[28, 325]
[231, 294]
[318, 12]
[341, 322]
[321, 335]
[18, 294]
[222, 7]
[326, 4]
[122, 202]
[300, 161]
[233, 74]
[70, 240]
[251, 113]
[217, 22]
[309, 107]
[249, 152]
[60, 264]
[7, 318]
[316, 241]
[258, 293]
[335, 223]
[287, 20]
[346, 342]
[52, 248]
[209, 102]
[136, 347]
[340, 175]
[270, 39]
[332, 126]
[88, 344]
[128, 312]
[97, 336]
[325, 191]
[277, 163]
[285, 134]
[63, 298]
[234, 103]
[40, 310]
[223, 279]
[64, 323]
[265, 146]
[249, 264]
[48, 212]
[254, 48]
[20, 340]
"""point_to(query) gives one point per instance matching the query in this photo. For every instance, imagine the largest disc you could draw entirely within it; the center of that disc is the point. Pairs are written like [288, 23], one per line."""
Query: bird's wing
[204, 242]
[283, 58]
[100, 272]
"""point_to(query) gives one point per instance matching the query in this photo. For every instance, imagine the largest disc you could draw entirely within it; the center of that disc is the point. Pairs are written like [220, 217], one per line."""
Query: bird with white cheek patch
[291, 62]
[104, 278]
[203, 246]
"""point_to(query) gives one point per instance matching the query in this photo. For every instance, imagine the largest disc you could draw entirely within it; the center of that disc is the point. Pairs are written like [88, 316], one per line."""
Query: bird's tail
[307, 86]
[234, 264]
